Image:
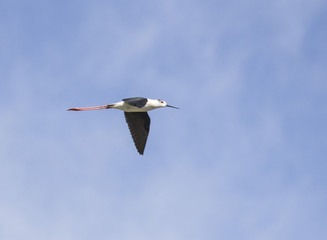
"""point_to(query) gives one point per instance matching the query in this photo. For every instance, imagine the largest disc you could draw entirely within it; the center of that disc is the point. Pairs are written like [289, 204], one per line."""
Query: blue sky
[244, 157]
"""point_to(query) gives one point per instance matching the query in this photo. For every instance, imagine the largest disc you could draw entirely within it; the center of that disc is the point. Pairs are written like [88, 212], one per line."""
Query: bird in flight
[135, 111]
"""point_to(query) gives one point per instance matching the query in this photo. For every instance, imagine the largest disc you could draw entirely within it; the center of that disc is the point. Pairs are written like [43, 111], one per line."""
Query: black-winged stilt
[137, 118]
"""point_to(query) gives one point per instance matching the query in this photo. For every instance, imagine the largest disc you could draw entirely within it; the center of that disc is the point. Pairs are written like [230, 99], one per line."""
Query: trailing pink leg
[91, 108]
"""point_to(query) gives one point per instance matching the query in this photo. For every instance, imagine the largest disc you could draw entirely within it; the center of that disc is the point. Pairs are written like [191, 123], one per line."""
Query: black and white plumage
[135, 111]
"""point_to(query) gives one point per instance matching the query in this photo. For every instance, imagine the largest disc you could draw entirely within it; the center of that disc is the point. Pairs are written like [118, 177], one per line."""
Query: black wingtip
[140, 151]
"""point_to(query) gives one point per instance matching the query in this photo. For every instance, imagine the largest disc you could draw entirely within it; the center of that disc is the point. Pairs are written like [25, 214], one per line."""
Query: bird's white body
[151, 104]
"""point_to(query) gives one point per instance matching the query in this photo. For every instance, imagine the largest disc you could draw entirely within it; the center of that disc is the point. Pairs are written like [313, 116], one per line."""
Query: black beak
[172, 106]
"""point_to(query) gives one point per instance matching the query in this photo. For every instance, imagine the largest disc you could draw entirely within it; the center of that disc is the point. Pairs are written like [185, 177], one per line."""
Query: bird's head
[162, 103]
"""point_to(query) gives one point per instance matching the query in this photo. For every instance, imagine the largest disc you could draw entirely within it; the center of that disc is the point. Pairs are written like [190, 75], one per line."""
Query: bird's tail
[91, 108]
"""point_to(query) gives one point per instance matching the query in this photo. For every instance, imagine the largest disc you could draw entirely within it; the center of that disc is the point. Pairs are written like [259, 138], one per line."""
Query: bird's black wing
[139, 126]
[136, 101]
